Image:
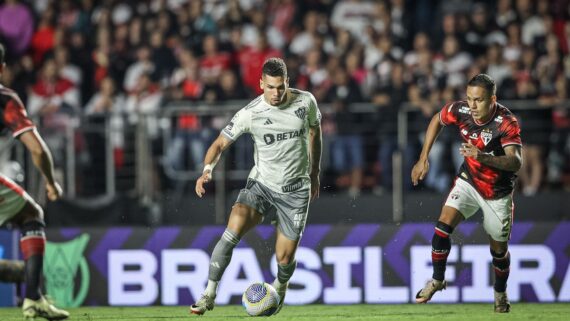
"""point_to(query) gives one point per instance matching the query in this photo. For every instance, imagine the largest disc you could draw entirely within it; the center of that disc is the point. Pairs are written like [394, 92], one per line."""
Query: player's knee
[499, 255]
[284, 257]
[499, 249]
[30, 212]
[33, 225]
[501, 260]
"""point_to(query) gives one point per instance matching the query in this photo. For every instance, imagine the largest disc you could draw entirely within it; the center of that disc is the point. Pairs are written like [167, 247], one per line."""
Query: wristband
[209, 167]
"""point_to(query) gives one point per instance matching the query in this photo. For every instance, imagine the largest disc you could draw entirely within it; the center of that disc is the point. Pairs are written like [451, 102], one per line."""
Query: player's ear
[261, 83]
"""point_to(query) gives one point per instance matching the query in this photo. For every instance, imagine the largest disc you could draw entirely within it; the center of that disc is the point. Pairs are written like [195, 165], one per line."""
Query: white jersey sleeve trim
[23, 130]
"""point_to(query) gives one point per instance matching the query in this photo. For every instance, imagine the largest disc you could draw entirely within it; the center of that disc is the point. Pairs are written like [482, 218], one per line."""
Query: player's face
[274, 89]
[480, 103]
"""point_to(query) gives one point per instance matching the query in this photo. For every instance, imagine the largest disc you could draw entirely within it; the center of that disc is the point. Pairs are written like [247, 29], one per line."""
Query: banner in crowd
[337, 264]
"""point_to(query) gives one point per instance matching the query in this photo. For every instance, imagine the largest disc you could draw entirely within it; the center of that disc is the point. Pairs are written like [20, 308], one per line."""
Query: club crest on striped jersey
[486, 136]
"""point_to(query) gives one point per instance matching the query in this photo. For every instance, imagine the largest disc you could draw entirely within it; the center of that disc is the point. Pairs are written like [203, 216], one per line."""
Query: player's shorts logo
[299, 219]
[292, 187]
[455, 196]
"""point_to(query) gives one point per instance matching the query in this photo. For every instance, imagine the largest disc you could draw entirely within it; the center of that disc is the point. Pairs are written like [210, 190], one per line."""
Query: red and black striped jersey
[492, 137]
[14, 117]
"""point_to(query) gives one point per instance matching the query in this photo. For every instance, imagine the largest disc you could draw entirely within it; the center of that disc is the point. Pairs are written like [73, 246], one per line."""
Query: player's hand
[54, 191]
[205, 178]
[469, 150]
[315, 186]
[420, 171]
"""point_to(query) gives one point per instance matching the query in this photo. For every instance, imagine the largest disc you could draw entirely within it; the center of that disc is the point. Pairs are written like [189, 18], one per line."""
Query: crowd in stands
[115, 57]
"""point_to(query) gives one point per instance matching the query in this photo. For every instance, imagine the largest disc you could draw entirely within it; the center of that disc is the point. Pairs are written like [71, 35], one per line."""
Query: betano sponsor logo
[355, 274]
[272, 138]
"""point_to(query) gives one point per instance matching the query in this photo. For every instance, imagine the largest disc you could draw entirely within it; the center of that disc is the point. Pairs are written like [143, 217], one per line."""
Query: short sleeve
[314, 112]
[238, 125]
[15, 117]
[511, 133]
[448, 115]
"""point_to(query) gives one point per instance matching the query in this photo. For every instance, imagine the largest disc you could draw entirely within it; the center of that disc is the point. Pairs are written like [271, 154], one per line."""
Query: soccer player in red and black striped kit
[492, 150]
[17, 207]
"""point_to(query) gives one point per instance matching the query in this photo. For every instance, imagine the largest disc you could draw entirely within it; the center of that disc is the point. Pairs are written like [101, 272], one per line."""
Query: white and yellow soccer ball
[260, 299]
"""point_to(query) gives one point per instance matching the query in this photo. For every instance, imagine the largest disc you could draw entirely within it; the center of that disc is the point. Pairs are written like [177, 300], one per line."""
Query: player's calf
[440, 247]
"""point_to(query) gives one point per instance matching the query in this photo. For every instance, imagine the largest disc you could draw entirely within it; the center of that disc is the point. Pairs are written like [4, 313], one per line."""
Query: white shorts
[497, 213]
[12, 199]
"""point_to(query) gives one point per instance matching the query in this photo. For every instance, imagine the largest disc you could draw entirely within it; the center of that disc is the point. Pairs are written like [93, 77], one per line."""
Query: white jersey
[281, 139]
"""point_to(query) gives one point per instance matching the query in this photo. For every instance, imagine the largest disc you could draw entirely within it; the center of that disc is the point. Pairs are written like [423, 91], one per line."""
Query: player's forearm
[215, 151]
[41, 156]
[432, 132]
[44, 163]
[213, 155]
[511, 163]
[316, 149]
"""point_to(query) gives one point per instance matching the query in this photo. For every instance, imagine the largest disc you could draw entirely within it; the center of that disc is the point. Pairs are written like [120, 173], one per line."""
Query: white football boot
[432, 286]
[206, 303]
[42, 308]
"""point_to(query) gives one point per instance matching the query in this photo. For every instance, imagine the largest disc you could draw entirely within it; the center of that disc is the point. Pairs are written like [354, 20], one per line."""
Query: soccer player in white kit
[285, 126]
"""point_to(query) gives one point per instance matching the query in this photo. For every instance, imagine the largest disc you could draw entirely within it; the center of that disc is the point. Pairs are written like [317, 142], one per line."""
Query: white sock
[277, 284]
[211, 288]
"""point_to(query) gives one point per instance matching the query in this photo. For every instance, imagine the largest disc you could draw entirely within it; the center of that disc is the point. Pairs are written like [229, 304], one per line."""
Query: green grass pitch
[462, 312]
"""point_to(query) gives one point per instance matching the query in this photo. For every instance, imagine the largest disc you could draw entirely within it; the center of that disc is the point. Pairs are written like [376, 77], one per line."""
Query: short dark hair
[2, 53]
[274, 67]
[484, 81]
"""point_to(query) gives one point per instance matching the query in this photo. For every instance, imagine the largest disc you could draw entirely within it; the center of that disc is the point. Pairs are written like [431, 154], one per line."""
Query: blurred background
[129, 95]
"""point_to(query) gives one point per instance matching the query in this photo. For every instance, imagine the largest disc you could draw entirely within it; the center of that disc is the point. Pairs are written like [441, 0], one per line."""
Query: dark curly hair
[275, 67]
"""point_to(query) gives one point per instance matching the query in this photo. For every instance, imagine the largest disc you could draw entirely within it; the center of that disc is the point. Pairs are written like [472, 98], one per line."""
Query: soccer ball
[260, 299]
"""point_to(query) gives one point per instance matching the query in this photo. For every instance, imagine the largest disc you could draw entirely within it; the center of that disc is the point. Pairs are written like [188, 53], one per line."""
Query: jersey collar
[493, 112]
[284, 104]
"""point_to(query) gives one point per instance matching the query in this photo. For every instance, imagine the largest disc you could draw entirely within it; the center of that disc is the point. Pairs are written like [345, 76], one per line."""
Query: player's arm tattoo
[316, 148]
[511, 161]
